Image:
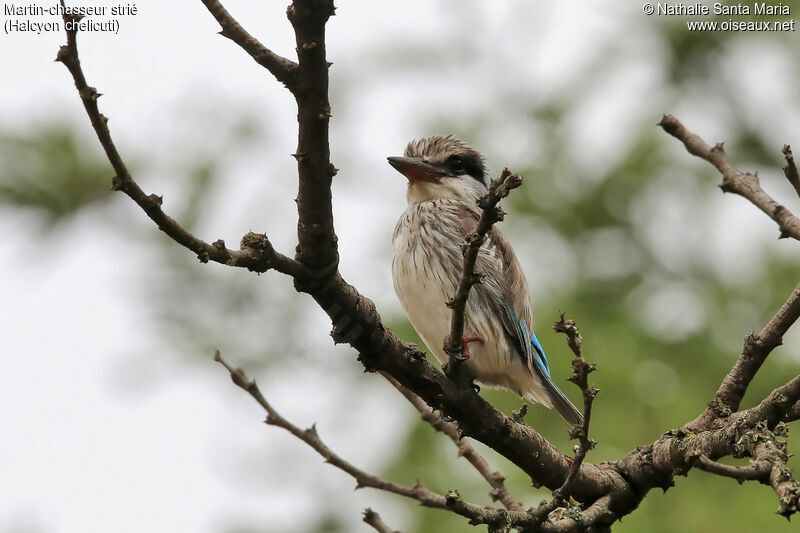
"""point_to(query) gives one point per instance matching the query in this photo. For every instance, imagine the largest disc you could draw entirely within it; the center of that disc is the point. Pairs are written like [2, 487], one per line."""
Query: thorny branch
[580, 377]
[743, 184]
[604, 492]
[494, 517]
[285, 70]
[491, 214]
[495, 479]
[755, 351]
[451, 501]
[256, 253]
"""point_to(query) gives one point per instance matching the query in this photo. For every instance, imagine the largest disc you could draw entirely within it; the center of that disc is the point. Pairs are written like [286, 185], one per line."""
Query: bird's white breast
[426, 270]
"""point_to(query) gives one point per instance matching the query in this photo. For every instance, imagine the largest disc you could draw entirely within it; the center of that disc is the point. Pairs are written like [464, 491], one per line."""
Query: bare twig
[452, 501]
[754, 471]
[256, 252]
[285, 70]
[790, 170]
[495, 479]
[754, 353]
[492, 213]
[580, 377]
[375, 521]
[745, 185]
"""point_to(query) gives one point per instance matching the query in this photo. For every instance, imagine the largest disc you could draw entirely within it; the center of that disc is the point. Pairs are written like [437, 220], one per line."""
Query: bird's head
[442, 167]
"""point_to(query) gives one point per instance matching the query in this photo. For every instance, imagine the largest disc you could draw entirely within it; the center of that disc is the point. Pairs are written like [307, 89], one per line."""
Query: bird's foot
[465, 340]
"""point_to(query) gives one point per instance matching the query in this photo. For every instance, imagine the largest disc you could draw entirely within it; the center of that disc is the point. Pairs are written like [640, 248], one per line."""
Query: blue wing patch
[538, 359]
[540, 352]
[542, 368]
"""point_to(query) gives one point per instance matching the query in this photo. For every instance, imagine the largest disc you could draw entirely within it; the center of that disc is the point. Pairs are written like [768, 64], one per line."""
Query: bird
[445, 179]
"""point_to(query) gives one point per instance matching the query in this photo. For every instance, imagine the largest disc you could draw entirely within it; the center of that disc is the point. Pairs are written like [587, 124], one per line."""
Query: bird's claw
[465, 340]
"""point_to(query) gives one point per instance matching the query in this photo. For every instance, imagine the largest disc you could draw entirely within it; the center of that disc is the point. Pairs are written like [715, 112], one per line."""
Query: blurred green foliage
[51, 172]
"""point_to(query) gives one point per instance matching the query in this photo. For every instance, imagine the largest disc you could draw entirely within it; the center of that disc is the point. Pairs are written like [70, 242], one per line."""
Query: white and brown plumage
[445, 178]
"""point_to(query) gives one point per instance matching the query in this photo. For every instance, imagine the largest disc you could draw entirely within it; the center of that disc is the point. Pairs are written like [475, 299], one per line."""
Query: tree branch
[492, 213]
[317, 248]
[745, 185]
[751, 472]
[779, 405]
[580, 372]
[375, 521]
[755, 351]
[595, 519]
[790, 170]
[495, 479]
[452, 501]
[580, 377]
[285, 70]
[256, 251]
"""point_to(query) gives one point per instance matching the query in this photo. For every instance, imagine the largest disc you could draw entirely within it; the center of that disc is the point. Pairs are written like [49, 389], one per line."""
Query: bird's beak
[415, 169]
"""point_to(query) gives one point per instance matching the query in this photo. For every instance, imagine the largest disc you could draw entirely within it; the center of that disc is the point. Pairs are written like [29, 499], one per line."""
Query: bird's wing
[504, 289]
[518, 323]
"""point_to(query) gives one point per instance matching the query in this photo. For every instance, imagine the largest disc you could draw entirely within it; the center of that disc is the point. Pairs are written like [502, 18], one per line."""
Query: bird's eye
[456, 165]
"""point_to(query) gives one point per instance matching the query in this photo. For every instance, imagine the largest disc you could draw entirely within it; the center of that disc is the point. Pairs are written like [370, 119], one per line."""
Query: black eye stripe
[466, 165]
[455, 163]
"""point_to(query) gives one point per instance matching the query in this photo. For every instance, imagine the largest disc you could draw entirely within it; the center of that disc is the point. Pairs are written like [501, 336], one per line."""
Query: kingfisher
[445, 179]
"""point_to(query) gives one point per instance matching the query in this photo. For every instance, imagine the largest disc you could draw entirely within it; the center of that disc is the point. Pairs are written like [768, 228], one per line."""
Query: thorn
[63, 53]
[726, 186]
[116, 183]
[89, 93]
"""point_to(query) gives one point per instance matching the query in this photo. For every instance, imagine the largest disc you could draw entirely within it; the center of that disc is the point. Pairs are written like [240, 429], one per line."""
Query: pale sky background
[104, 431]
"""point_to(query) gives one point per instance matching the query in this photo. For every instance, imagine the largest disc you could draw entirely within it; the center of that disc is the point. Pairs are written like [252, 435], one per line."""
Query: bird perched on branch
[445, 179]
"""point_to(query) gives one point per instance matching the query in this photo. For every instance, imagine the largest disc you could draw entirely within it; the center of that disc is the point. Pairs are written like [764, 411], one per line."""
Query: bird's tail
[551, 396]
